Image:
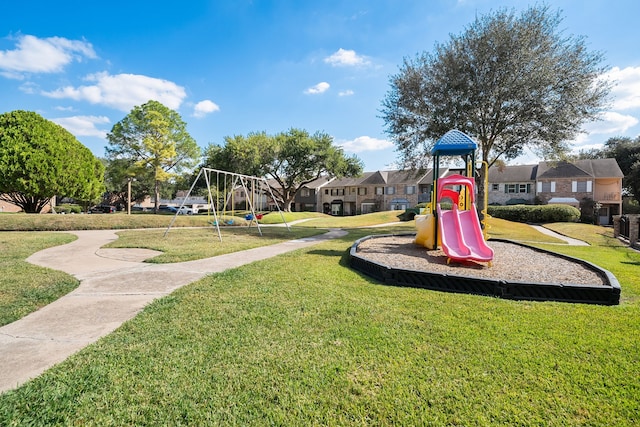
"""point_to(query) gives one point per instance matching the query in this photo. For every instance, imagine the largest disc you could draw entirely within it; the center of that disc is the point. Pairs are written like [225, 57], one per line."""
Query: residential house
[308, 198]
[375, 191]
[599, 180]
[512, 185]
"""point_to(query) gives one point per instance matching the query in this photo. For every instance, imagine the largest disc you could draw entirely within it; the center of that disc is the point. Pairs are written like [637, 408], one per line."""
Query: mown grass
[519, 232]
[25, 287]
[301, 339]
[116, 221]
[366, 220]
[278, 217]
[189, 244]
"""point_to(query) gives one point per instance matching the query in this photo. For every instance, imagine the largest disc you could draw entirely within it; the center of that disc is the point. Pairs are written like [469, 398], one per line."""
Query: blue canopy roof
[453, 143]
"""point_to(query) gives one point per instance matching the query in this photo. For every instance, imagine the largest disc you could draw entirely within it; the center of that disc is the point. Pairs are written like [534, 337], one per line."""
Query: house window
[304, 192]
[523, 188]
[410, 189]
[391, 190]
[326, 191]
[362, 191]
[495, 187]
[547, 187]
[366, 208]
[379, 191]
[337, 191]
[353, 190]
[581, 186]
[510, 188]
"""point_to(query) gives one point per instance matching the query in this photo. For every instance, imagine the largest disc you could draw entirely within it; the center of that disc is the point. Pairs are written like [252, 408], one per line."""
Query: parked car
[167, 209]
[102, 209]
[185, 210]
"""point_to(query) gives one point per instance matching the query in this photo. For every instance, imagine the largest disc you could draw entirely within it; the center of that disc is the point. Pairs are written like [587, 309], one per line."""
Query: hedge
[535, 213]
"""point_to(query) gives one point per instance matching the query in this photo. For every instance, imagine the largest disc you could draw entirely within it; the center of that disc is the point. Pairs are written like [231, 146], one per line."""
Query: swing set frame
[252, 185]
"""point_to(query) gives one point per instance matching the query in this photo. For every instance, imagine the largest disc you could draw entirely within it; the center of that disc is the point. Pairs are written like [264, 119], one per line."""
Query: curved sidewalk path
[115, 285]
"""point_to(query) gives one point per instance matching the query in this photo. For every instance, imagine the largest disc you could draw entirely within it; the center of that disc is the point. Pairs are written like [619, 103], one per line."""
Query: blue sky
[233, 67]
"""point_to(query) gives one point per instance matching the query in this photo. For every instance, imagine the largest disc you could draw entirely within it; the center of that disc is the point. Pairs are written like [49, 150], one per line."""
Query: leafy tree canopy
[40, 159]
[508, 81]
[153, 141]
[292, 158]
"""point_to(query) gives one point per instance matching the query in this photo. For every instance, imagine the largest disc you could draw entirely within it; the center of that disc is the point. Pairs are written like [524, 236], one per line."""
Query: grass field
[301, 339]
[25, 287]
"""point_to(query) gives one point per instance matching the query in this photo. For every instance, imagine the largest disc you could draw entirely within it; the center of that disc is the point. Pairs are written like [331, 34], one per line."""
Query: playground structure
[458, 230]
[459, 233]
[254, 188]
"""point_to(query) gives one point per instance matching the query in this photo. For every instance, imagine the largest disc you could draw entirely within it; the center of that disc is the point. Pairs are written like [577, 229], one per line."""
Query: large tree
[509, 81]
[155, 142]
[118, 174]
[40, 159]
[292, 158]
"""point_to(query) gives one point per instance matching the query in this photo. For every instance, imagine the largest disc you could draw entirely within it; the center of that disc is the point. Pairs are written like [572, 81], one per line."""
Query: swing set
[254, 188]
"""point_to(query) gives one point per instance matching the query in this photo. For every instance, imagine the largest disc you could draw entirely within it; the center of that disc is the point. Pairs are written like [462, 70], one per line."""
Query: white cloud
[365, 143]
[611, 123]
[49, 55]
[347, 92]
[346, 58]
[123, 91]
[83, 125]
[319, 88]
[205, 107]
[626, 91]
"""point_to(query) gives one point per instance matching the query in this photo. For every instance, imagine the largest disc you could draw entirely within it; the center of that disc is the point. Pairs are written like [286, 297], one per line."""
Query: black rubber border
[608, 294]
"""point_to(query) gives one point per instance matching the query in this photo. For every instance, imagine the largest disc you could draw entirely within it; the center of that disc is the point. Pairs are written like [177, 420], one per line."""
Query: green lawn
[25, 287]
[366, 220]
[120, 220]
[197, 243]
[301, 339]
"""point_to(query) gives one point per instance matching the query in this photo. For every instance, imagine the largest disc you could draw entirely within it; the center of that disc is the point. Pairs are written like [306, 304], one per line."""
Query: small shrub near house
[68, 209]
[536, 213]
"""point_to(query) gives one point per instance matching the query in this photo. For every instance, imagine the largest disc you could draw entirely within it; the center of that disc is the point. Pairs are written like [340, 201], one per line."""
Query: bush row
[536, 213]
[68, 208]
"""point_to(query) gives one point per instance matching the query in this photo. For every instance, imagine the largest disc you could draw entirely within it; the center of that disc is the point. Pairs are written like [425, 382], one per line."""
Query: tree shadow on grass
[344, 255]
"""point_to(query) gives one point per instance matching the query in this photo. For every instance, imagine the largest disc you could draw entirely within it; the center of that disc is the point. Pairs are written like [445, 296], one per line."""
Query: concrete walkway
[552, 233]
[115, 285]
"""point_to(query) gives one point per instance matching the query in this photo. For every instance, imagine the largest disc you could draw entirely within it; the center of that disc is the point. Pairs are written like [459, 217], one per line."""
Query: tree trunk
[157, 196]
[286, 205]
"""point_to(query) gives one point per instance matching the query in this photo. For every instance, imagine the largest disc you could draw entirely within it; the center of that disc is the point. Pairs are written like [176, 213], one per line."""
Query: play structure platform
[457, 230]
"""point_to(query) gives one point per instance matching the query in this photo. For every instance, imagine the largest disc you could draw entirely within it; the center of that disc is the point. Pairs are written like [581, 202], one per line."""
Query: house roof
[388, 177]
[346, 182]
[404, 176]
[594, 168]
[317, 183]
[517, 173]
